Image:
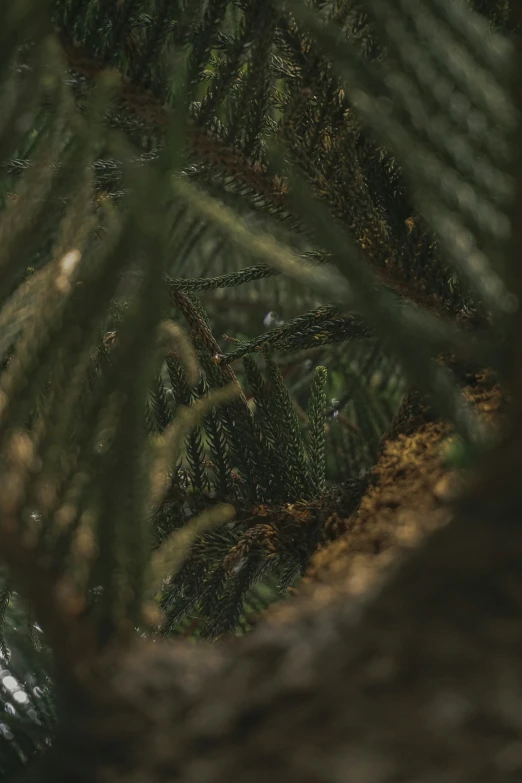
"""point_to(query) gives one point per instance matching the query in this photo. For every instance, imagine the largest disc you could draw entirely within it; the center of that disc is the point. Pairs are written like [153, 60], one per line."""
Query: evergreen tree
[259, 259]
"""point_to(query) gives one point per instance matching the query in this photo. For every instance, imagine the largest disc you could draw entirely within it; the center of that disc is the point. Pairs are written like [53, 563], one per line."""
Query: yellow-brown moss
[409, 496]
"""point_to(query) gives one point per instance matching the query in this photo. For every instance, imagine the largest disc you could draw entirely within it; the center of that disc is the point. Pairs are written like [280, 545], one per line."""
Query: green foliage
[316, 439]
[346, 166]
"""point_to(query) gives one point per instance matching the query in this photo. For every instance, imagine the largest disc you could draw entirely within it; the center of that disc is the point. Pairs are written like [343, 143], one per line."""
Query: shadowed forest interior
[260, 391]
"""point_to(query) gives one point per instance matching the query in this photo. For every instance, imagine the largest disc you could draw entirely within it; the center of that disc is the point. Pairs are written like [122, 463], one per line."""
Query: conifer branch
[152, 114]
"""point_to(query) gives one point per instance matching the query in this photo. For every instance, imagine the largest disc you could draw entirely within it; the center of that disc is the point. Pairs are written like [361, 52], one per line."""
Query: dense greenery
[234, 235]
